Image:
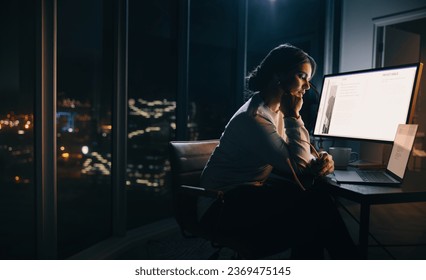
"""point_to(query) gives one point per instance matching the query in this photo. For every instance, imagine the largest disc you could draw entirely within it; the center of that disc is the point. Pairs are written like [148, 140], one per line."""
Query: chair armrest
[202, 191]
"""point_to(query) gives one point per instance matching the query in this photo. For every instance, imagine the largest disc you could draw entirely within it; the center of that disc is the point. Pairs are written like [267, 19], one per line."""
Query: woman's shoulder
[253, 111]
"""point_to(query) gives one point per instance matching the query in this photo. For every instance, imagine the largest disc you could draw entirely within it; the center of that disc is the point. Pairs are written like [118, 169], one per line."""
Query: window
[85, 109]
[212, 67]
[17, 77]
[84, 124]
[151, 109]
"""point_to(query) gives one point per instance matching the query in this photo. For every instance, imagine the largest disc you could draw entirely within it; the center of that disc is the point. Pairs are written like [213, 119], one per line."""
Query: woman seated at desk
[268, 133]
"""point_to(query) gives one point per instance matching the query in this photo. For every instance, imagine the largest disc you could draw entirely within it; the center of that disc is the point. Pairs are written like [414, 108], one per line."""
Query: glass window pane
[17, 87]
[151, 111]
[212, 67]
[84, 124]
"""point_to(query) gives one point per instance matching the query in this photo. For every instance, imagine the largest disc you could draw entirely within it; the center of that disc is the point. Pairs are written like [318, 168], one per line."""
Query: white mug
[342, 156]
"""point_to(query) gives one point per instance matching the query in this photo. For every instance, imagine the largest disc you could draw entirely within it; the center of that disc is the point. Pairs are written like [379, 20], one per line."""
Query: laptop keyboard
[374, 176]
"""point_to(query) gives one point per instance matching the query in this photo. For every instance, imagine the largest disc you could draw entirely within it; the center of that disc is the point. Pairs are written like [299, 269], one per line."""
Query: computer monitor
[368, 104]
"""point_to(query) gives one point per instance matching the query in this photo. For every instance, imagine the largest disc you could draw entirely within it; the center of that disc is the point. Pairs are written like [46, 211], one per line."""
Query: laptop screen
[401, 149]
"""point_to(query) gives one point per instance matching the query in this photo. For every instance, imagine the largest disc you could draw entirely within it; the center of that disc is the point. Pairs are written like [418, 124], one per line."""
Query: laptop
[395, 170]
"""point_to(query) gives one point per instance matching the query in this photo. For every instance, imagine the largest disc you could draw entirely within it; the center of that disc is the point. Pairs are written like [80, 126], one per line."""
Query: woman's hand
[323, 165]
[290, 104]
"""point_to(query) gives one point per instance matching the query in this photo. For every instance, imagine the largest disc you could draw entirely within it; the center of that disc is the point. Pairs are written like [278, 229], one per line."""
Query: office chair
[188, 159]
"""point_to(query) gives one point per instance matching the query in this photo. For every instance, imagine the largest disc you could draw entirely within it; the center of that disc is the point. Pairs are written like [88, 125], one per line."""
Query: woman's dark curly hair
[282, 59]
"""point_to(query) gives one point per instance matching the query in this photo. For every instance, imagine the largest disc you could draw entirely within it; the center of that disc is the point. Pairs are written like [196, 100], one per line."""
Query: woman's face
[298, 83]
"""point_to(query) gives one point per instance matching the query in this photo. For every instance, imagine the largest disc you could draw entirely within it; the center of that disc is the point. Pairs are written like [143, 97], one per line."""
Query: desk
[413, 189]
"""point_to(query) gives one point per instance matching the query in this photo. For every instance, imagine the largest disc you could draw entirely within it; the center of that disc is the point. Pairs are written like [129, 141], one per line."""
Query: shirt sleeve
[275, 149]
[297, 138]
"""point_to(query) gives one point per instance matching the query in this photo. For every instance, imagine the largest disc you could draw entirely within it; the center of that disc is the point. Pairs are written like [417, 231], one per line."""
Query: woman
[267, 133]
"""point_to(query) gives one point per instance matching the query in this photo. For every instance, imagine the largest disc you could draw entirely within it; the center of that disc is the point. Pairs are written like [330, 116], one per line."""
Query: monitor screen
[367, 104]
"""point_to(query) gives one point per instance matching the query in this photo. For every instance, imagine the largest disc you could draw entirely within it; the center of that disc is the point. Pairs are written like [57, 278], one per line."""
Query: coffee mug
[342, 156]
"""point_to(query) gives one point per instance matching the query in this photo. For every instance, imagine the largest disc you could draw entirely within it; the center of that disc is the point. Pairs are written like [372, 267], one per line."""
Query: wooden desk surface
[413, 189]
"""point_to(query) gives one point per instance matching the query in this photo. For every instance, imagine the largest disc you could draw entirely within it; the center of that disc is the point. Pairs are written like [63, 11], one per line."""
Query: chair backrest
[187, 159]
